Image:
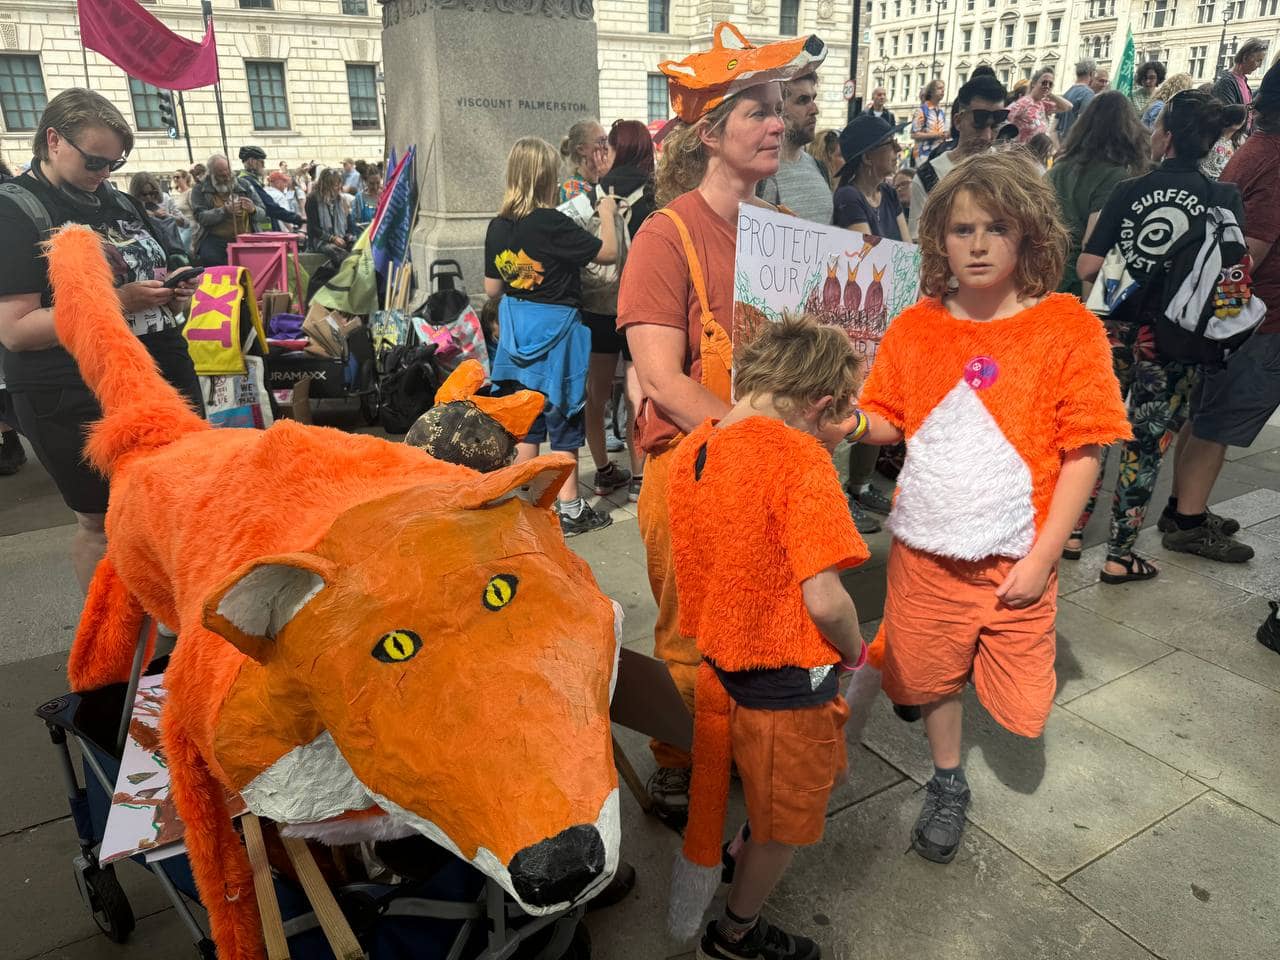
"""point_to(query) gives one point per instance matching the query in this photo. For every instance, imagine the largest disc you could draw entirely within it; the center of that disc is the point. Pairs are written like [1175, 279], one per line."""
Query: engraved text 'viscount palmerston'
[393, 11]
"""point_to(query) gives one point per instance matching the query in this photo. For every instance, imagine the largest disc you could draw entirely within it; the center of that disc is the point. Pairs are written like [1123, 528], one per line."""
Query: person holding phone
[80, 141]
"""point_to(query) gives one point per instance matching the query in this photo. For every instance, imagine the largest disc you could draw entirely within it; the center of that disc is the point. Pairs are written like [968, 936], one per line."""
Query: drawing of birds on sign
[852, 292]
[831, 289]
[876, 317]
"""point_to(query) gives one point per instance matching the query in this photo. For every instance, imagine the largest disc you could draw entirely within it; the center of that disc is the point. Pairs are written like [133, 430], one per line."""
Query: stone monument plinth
[465, 79]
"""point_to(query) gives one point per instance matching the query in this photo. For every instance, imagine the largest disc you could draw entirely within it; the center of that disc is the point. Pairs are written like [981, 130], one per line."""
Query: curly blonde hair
[799, 361]
[684, 155]
[1010, 188]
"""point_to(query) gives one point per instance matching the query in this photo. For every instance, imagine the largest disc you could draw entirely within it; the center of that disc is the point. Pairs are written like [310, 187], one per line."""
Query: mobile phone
[183, 276]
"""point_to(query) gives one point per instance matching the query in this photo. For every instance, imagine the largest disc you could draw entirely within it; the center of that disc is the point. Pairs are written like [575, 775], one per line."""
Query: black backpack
[408, 388]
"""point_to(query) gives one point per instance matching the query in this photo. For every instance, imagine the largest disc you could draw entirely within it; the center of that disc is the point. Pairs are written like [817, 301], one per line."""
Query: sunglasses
[94, 163]
[988, 119]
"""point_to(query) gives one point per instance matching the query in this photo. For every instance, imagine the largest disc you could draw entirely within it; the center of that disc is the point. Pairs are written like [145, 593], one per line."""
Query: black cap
[1268, 96]
[863, 133]
[252, 153]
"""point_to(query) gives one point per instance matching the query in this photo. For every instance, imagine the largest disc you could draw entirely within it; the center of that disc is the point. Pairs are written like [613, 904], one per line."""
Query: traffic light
[168, 116]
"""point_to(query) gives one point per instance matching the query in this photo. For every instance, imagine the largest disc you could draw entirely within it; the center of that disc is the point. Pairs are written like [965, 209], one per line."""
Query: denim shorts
[567, 434]
[1235, 401]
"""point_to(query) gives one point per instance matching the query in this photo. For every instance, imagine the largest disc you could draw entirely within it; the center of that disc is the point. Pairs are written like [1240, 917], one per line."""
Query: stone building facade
[300, 79]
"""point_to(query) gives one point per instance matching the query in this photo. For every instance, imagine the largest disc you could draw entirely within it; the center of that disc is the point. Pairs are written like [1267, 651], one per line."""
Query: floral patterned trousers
[1159, 395]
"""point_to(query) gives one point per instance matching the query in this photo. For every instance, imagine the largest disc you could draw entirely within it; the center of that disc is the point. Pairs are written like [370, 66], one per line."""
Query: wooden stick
[337, 931]
[265, 890]
[406, 278]
[391, 288]
[630, 777]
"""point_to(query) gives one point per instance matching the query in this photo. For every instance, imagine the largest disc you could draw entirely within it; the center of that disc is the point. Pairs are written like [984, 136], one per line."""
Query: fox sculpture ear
[542, 475]
[252, 606]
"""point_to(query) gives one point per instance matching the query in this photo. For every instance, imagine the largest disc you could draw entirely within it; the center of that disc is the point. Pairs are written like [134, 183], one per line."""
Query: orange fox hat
[702, 81]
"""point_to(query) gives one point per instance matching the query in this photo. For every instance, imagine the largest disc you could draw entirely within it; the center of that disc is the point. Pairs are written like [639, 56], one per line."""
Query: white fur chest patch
[964, 491]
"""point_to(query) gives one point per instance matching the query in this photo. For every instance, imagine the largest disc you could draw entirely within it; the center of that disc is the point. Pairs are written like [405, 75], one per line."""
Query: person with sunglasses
[976, 115]
[81, 139]
[1033, 112]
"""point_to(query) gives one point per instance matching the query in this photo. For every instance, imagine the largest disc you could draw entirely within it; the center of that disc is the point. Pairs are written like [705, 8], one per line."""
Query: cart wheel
[369, 407]
[107, 900]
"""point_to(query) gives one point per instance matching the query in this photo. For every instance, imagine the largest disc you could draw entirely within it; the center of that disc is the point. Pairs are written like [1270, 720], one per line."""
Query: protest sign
[839, 277]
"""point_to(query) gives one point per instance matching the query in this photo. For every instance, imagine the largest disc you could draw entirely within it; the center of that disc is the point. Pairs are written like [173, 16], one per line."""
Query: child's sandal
[1073, 553]
[1136, 568]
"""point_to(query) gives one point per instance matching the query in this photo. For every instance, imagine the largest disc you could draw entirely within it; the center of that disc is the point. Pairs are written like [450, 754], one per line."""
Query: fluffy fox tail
[141, 411]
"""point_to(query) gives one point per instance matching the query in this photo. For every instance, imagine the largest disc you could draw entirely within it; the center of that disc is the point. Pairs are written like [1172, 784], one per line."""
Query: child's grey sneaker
[762, 942]
[937, 833]
[589, 519]
[874, 500]
[1208, 542]
[864, 522]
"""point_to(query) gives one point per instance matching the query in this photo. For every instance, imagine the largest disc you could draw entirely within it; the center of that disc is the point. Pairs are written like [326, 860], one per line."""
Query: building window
[913, 7]
[1005, 77]
[884, 9]
[1055, 29]
[1159, 13]
[897, 9]
[789, 21]
[1195, 65]
[991, 4]
[362, 91]
[986, 37]
[267, 99]
[146, 105]
[1235, 6]
[1032, 26]
[924, 41]
[969, 5]
[911, 42]
[355, 8]
[257, 4]
[1009, 29]
[659, 16]
[1267, 8]
[1204, 11]
[658, 97]
[1228, 55]
[940, 40]
[966, 40]
[1097, 47]
[895, 44]
[880, 44]
[22, 96]
[1098, 9]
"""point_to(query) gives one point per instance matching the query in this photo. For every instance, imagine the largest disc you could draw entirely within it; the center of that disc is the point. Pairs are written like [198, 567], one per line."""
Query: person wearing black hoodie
[630, 176]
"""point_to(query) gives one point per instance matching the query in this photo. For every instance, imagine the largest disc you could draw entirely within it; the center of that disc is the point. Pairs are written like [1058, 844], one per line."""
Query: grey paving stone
[861, 897]
[160, 935]
[616, 557]
[1093, 650]
[1261, 575]
[1160, 607]
[1228, 638]
[1250, 508]
[43, 600]
[31, 791]
[1195, 716]
[1075, 575]
[1203, 883]
[1268, 439]
[1058, 801]
[40, 907]
[1268, 460]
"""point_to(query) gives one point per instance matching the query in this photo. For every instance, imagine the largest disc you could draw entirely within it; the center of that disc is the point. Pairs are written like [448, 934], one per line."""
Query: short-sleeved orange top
[988, 410]
[753, 517]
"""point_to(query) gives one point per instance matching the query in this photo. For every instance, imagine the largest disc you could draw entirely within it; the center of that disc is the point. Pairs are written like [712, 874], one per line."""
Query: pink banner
[143, 47]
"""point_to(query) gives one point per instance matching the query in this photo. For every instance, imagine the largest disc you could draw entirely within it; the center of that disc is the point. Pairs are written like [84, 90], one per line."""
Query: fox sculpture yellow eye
[397, 646]
[499, 591]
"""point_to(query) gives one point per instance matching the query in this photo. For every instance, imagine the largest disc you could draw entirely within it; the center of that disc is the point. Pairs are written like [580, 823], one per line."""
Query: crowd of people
[1060, 234]
[1026, 204]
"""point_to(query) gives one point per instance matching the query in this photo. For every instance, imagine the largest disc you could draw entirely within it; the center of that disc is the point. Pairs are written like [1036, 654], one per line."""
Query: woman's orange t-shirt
[761, 513]
[656, 289]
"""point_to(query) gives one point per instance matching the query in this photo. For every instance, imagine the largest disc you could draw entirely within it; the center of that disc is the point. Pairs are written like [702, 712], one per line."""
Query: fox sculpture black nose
[558, 869]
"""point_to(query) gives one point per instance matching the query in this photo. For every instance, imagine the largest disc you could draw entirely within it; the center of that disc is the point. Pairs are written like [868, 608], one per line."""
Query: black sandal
[1136, 568]
[1071, 553]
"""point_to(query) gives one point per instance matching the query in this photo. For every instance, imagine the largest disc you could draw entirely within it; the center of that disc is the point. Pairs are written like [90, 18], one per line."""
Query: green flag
[1123, 80]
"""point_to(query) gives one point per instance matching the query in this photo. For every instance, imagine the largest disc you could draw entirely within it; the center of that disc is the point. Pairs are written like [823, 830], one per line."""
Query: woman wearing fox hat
[675, 302]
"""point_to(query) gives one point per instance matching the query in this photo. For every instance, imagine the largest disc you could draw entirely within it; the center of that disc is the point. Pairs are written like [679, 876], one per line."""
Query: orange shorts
[788, 761]
[943, 624]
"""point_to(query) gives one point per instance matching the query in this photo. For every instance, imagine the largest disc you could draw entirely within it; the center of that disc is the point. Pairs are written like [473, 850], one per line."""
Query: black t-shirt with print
[539, 257]
[132, 249]
[1147, 215]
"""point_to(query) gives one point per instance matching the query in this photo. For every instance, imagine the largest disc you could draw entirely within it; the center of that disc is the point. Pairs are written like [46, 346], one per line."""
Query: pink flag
[142, 46]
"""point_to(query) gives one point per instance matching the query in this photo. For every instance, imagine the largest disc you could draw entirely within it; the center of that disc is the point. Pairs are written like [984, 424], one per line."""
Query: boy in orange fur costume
[757, 568]
[1005, 395]
[316, 649]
